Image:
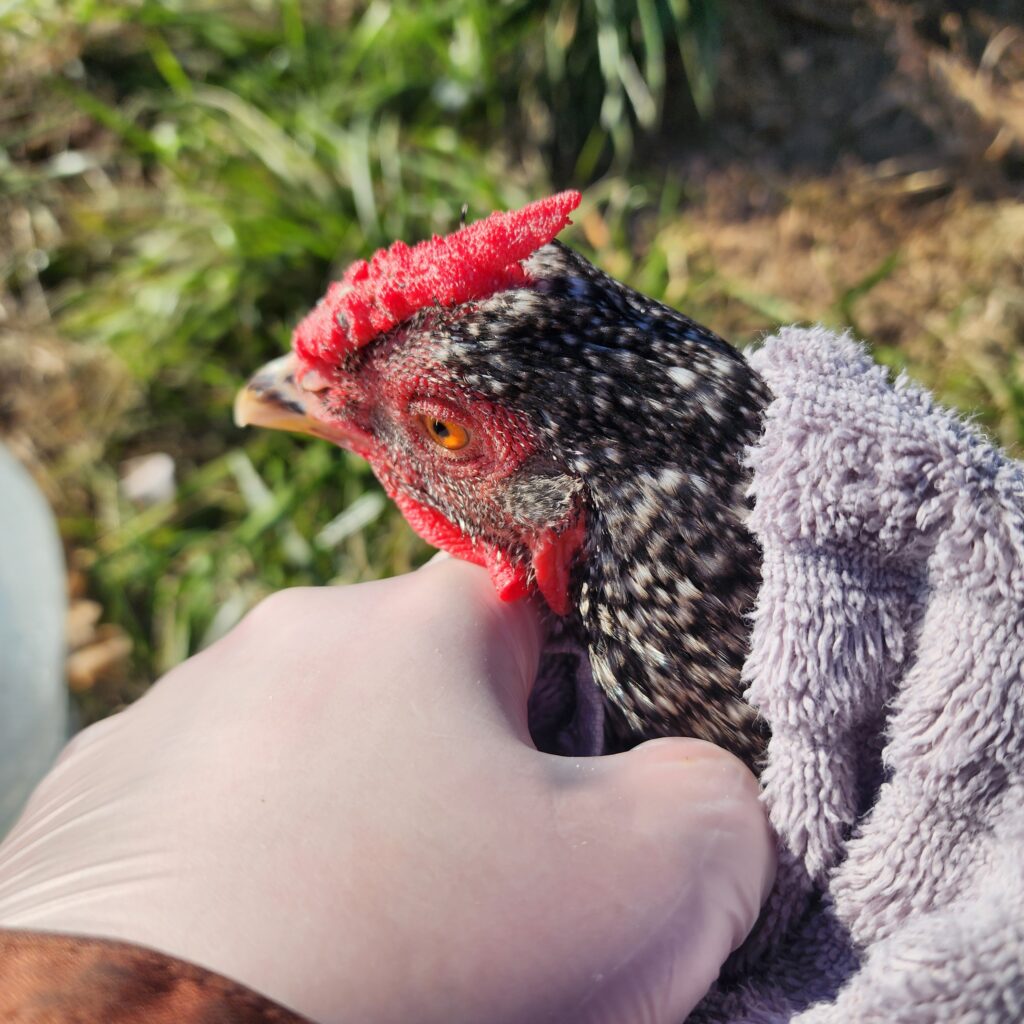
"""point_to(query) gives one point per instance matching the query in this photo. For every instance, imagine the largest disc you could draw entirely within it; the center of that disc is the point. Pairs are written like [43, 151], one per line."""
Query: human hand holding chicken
[339, 806]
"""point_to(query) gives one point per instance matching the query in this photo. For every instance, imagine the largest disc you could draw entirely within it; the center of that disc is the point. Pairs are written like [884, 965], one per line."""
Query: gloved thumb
[687, 859]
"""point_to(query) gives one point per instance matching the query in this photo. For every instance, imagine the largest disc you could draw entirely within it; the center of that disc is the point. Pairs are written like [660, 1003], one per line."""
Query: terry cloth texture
[887, 654]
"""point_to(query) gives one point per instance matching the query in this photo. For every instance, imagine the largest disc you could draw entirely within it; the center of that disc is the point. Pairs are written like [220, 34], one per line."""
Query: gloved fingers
[506, 635]
[682, 846]
[701, 782]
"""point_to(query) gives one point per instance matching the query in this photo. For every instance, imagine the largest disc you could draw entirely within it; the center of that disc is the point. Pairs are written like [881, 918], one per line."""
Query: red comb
[472, 263]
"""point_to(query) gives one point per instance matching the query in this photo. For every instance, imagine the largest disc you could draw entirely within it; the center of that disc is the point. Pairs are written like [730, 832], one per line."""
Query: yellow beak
[273, 399]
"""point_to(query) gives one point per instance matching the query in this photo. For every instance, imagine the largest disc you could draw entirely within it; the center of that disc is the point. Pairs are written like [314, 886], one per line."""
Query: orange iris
[447, 433]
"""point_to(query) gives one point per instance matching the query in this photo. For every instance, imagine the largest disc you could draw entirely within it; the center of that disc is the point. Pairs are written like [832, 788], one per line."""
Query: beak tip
[271, 399]
[238, 412]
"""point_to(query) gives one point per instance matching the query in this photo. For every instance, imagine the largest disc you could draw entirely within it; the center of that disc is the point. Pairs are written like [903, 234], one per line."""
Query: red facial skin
[377, 404]
[381, 383]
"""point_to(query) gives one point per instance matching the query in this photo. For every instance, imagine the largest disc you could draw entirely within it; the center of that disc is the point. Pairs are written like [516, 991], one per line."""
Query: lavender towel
[887, 654]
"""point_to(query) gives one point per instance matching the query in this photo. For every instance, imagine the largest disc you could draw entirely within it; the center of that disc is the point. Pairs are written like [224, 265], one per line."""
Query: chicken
[583, 442]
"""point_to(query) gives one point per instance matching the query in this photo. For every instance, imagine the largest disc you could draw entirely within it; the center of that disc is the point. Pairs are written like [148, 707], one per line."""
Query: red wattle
[553, 558]
[510, 581]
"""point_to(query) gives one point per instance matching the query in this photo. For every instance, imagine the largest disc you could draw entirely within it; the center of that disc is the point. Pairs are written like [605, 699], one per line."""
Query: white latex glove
[339, 806]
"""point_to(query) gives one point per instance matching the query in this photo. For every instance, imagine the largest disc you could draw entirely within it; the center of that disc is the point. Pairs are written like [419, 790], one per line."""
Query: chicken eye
[447, 433]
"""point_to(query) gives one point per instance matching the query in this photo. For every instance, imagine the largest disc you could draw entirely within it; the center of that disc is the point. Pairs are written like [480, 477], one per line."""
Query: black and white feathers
[646, 414]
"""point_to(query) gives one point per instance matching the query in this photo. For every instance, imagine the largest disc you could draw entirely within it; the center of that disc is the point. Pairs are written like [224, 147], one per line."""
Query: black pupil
[441, 429]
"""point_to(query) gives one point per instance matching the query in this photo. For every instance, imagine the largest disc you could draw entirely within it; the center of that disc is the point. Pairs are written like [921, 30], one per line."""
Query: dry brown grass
[934, 282]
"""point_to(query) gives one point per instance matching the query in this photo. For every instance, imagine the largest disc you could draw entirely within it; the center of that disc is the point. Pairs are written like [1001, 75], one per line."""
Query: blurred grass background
[180, 179]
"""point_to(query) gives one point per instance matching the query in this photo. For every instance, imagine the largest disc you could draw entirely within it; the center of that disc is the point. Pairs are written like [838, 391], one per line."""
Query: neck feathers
[664, 601]
[650, 412]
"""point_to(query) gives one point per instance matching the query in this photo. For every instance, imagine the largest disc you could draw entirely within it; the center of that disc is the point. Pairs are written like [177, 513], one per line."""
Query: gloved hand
[339, 806]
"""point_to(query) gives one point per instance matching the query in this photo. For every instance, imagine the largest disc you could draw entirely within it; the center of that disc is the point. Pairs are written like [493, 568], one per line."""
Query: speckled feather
[641, 416]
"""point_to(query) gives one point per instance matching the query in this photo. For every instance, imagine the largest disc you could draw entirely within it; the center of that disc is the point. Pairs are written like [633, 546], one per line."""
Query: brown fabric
[64, 979]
